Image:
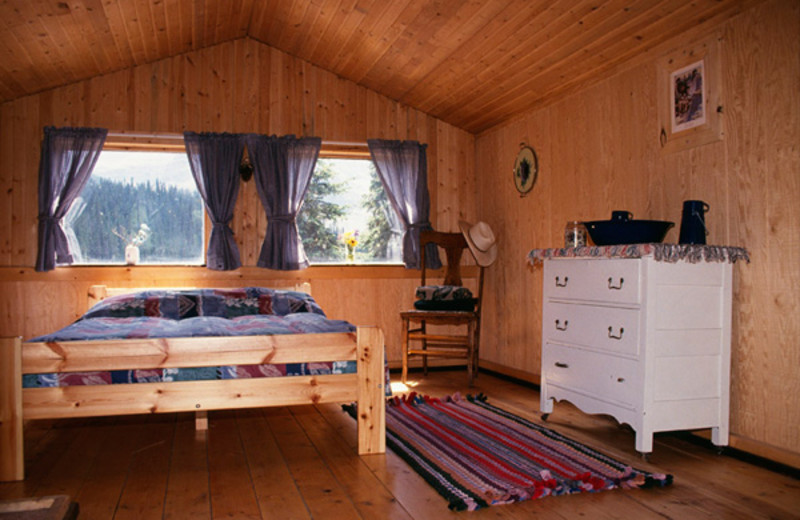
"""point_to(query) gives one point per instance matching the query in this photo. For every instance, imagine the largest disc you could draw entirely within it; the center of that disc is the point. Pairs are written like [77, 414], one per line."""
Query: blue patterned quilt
[147, 327]
[249, 311]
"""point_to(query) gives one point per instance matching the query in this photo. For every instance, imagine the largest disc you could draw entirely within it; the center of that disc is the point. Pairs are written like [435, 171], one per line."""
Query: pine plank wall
[239, 86]
[598, 150]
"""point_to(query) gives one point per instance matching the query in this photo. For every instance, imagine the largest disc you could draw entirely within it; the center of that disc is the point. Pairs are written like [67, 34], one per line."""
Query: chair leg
[477, 349]
[470, 351]
[424, 347]
[405, 351]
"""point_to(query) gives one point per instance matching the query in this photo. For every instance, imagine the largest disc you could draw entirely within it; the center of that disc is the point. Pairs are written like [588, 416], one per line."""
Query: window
[346, 216]
[144, 199]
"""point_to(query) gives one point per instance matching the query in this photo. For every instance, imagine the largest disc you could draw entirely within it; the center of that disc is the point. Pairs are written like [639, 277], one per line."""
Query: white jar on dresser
[645, 341]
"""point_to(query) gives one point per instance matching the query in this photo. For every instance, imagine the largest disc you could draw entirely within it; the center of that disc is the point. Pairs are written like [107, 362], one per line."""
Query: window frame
[172, 142]
[359, 151]
[146, 142]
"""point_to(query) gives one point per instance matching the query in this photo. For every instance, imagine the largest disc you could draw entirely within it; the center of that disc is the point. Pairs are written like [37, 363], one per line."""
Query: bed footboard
[367, 386]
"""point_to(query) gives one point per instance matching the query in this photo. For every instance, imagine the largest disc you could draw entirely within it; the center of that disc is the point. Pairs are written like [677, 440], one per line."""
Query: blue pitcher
[693, 222]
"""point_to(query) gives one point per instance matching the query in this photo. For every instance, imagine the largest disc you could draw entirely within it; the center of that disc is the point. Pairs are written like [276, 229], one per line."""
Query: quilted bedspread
[147, 327]
[249, 311]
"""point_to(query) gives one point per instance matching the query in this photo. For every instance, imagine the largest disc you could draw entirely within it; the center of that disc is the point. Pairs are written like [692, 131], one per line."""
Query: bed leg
[371, 391]
[12, 461]
[201, 420]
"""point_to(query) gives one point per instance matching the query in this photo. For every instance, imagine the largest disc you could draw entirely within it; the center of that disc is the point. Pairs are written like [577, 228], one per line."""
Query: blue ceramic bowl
[622, 229]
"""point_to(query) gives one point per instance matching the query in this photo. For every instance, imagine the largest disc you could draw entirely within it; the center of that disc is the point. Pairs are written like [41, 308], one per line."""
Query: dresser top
[691, 253]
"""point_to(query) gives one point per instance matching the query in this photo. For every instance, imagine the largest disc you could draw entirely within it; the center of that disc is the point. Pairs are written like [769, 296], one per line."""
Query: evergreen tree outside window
[147, 199]
[346, 216]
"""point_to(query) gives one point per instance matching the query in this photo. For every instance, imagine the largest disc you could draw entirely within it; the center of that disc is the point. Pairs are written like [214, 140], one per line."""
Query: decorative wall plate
[526, 169]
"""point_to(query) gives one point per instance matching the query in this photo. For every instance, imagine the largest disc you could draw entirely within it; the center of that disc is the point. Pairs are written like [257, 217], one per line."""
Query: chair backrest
[454, 245]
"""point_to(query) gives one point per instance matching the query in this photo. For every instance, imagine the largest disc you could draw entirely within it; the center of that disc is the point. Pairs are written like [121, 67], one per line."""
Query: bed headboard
[98, 293]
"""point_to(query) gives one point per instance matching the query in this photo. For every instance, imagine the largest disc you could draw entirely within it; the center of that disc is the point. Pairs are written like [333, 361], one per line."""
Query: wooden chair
[416, 322]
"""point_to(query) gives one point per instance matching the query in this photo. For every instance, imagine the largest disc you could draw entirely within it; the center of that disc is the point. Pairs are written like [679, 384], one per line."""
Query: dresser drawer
[611, 329]
[614, 281]
[596, 375]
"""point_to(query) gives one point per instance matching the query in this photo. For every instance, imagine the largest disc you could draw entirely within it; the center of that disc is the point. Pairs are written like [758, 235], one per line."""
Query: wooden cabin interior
[580, 81]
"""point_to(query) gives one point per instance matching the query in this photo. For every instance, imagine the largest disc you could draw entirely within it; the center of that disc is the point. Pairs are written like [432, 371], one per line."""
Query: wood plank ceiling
[472, 63]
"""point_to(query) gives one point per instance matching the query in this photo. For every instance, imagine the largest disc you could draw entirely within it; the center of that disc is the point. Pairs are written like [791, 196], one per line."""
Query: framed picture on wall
[690, 100]
[688, 97]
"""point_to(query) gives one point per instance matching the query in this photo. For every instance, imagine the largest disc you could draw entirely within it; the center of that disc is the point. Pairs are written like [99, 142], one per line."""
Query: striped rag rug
[476, 455]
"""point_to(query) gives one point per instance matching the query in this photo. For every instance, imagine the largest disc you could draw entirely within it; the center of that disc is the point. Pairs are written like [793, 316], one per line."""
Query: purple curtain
[282, 169]
[403, 169]
[214, 160]
[67, 159]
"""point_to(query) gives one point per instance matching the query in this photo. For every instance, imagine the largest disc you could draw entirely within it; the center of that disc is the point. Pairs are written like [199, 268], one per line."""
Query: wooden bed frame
[17, 404]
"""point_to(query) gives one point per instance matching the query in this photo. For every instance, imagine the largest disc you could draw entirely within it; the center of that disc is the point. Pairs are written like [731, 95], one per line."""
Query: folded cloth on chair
[445, 305]
[443, 293]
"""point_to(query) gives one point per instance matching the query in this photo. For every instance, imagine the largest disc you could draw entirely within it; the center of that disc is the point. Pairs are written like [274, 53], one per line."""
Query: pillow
[443, 293]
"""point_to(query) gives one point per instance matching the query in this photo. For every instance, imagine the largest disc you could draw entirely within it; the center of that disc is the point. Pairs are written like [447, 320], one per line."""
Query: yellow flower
[351, 239]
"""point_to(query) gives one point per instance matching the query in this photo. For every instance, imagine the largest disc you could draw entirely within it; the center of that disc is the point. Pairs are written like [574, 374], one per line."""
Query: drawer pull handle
[611, 285]
[559, 283]
[560, 327]
[621, 332]
[559, 364]
[620, 380]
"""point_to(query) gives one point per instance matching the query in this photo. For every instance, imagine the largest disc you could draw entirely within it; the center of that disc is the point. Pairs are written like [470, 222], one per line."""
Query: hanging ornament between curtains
[245, 168]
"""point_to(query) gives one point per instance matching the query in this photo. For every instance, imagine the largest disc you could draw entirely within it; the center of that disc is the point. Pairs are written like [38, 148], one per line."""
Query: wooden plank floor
[301, 463]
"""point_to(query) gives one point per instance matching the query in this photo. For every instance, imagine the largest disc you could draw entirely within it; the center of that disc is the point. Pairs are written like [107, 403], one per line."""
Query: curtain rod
[179, 137]
[362, 144]
[147, 135]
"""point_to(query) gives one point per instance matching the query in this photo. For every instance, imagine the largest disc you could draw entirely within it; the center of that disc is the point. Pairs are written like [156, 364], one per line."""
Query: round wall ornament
[526, 169]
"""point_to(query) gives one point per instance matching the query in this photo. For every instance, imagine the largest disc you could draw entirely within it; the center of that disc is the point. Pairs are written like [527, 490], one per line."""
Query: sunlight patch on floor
[402, 388]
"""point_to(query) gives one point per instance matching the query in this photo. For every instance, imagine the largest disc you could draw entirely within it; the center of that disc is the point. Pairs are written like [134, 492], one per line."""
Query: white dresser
[647, 342]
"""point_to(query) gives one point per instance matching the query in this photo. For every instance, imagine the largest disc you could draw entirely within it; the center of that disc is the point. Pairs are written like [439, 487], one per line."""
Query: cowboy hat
[481, 242]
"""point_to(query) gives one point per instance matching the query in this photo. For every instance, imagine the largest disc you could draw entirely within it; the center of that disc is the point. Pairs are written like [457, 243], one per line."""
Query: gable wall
[239, 86]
